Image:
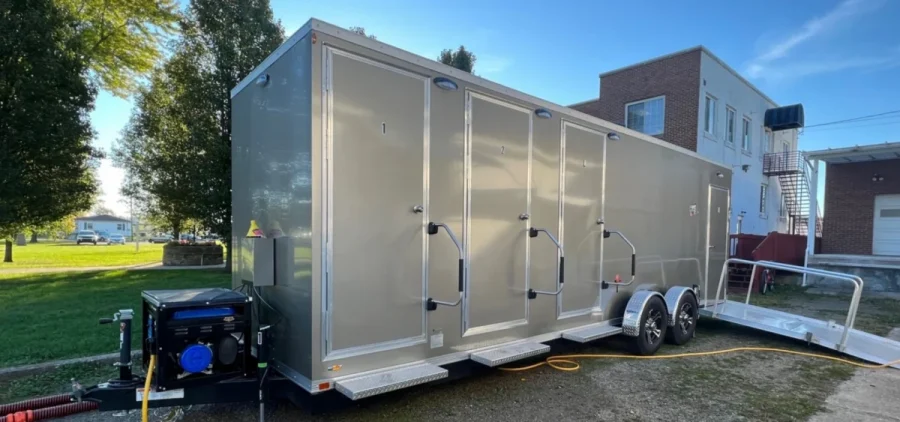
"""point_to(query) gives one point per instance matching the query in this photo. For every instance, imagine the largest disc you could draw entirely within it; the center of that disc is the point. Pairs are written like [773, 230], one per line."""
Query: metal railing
[854, 300]
[783, 163]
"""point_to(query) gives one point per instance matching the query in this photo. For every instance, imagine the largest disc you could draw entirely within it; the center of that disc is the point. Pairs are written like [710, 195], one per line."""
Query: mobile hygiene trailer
[405, 215]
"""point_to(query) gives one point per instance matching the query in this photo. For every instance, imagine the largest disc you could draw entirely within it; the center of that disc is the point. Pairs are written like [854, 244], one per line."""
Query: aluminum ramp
[828, 334]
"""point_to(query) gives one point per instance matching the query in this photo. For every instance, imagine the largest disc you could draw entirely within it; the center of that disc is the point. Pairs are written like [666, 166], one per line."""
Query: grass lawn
[54, 316]
[68, 254]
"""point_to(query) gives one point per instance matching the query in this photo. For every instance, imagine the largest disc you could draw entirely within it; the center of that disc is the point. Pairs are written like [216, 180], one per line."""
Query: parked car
[87, 236]
[116, 239]
[161, 238]
[102, 236]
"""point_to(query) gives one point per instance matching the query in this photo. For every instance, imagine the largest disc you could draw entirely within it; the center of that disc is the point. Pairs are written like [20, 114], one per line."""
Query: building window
[89, 226]
[709, 124]
[786, 146]
[729, 125]
[782, 211]
[647, 116]
[120, 227]
[745, 135]
[765, 144]
[762, 198]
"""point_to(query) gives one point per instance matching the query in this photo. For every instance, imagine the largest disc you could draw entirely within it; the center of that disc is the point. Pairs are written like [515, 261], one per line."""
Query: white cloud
[819, 26]
[775, 63]
[486, 64]
[111, 179]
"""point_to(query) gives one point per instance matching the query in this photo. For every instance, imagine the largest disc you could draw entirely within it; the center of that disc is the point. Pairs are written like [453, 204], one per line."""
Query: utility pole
[134, 236]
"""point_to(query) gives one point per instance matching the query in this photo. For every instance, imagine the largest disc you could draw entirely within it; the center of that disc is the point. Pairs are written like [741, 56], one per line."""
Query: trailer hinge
[604, 285]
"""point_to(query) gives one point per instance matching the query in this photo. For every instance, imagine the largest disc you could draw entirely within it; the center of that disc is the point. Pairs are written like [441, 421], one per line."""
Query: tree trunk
[7, 257]
[228, 254]
[33, 237]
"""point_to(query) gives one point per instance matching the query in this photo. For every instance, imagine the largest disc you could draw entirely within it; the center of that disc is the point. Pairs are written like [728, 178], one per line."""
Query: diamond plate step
[506, 354]
[389, 380]
[591, 333]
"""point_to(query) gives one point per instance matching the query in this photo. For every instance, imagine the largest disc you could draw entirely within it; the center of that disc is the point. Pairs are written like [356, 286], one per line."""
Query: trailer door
[583, 151]
[717, 213]
[376, 147]
[498, 167]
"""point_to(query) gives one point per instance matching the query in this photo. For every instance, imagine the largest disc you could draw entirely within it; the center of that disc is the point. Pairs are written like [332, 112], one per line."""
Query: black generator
[199, 336]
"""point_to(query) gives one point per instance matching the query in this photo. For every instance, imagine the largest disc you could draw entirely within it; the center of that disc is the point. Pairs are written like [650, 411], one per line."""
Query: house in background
[104, 223]
[694, 100]
[861, 233]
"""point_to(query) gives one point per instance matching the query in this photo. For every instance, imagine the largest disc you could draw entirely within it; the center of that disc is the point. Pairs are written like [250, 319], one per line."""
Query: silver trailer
[416, 215]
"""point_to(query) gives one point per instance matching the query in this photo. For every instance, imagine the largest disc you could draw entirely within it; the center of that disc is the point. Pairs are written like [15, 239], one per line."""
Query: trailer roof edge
[398, 53]
[273, 57]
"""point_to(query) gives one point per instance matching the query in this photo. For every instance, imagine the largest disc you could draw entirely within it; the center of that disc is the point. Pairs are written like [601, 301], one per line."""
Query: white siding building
[104, 223]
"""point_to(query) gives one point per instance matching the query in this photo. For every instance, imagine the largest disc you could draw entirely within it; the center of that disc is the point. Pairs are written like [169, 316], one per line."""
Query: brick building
[861, 233]
[692, 99]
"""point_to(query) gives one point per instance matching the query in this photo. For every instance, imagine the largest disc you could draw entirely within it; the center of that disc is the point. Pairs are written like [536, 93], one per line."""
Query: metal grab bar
[533, 232]
[606, 234]
[432, 304]
[854, 300]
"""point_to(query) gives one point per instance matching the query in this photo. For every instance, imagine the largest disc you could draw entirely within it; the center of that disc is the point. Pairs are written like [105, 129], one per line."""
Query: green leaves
[461, 59]
[176, 149]
[46, 160]
[122, 39]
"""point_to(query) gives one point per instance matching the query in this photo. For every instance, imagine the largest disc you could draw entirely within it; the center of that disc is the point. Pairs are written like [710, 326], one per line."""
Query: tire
[78, 242]
[686, 317]
[95, 243]
[653, 326]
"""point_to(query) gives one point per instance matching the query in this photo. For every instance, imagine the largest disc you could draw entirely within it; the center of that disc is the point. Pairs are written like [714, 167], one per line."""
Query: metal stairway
[793, 175]
[830, 334]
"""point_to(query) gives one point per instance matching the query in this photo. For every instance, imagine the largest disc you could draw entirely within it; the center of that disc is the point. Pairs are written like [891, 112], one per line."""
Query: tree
[461, 59]
[177, 148]
[46, 159]
[122, 38]
[361, 31]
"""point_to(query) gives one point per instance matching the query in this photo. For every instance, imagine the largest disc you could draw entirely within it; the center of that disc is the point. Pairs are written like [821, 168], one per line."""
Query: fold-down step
[389, 380]
[591, 333]
[506, 354]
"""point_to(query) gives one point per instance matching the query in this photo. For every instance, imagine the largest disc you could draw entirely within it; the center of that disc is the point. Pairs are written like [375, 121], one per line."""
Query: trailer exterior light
[445, 84]
[543, 113]
[612, 136]
[263, 79]
[720, 175]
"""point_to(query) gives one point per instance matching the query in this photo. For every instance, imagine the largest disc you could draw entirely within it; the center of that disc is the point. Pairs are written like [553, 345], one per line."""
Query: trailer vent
[784, 118]
[445, 84]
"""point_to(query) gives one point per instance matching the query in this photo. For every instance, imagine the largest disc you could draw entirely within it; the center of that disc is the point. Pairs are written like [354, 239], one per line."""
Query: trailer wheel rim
[652, 330]
[686, 317]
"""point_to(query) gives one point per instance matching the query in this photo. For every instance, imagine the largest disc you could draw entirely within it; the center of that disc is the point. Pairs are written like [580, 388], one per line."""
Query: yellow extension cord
[568, 363]
[145, 402]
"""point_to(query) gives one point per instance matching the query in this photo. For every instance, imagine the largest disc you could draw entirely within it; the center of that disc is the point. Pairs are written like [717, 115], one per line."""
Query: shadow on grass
[54, 316]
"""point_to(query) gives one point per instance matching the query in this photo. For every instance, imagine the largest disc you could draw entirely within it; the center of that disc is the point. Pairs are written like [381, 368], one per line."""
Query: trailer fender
[631, 322]
[673, 300]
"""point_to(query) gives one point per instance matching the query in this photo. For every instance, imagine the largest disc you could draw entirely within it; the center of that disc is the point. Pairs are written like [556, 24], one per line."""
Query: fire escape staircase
[793, 172]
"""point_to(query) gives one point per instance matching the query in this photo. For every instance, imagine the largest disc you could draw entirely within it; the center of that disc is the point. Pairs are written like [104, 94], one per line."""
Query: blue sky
[840, 58]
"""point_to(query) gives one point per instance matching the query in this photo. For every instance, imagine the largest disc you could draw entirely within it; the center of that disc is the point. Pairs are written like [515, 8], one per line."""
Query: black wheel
[653, 327]
[95, 243]
[78, 243]
[685, 321]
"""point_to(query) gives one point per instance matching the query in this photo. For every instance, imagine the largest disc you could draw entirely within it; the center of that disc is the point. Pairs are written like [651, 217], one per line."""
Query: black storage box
[199, 335]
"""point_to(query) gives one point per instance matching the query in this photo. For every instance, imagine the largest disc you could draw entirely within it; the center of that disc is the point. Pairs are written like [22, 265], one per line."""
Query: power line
[861, 125]
[869, 117]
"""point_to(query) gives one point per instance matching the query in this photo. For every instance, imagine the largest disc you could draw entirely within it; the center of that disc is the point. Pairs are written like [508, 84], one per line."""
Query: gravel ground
[734, 387]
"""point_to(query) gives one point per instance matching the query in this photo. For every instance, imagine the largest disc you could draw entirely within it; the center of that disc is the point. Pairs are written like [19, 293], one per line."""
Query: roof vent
[784, 118]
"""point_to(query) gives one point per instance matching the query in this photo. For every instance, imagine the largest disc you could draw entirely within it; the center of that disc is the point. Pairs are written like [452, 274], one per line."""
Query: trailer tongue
[843, 338]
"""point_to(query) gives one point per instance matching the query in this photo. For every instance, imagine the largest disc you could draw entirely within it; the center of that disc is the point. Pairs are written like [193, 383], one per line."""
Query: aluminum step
[389, 380]
[506, 354]
[591, 333]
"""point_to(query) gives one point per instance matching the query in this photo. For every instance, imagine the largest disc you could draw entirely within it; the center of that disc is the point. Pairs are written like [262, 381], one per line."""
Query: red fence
[778, 247]
[742, 245]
